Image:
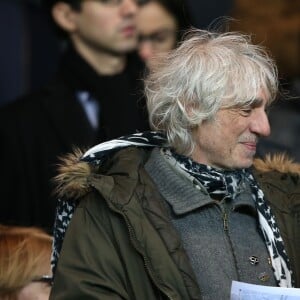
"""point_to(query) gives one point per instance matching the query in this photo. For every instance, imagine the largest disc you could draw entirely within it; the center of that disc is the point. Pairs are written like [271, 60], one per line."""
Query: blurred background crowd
[31, 49]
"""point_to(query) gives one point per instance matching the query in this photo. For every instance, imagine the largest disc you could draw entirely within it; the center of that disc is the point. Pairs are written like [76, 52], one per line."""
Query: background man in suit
[94, 96]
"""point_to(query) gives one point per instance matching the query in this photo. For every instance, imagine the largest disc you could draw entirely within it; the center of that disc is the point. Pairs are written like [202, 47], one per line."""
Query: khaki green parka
[120, 243]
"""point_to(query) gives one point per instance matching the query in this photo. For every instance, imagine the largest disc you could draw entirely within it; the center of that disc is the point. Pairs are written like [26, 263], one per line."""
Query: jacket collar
[175, 186]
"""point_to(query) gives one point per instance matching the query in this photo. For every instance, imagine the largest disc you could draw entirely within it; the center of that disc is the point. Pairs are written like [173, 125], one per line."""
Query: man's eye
[117, 2]
[111, 2]
[160, 37]
[141, 2]
[246, 111]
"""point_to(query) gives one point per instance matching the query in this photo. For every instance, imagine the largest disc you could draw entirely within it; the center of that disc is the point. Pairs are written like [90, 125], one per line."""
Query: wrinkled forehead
[248, 89]
[259, 99]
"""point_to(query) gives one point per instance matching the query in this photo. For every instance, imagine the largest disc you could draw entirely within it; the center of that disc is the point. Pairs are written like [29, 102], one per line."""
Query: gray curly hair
[209, 70]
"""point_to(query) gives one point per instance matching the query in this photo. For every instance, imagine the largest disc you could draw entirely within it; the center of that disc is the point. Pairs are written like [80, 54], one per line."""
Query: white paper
[246, 291]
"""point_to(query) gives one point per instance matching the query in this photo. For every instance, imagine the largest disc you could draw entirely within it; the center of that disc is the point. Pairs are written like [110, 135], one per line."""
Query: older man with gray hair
[180, 212]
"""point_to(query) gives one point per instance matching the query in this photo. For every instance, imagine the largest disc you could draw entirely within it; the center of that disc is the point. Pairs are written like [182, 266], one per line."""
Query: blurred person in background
[160, 24]
[25, 272]
[94, 96]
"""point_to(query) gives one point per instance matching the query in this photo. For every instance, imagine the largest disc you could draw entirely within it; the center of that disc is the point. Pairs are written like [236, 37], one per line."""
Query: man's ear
[64, 16]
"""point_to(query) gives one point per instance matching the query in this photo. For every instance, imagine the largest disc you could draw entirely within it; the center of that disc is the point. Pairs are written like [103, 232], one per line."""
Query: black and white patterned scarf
[219, 183]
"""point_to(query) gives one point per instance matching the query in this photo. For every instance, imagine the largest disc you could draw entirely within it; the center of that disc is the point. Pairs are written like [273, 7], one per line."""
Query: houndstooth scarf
[219, 184]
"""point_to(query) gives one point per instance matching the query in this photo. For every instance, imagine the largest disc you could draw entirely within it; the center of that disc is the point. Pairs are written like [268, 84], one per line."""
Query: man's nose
[260, 123]
[129, 7]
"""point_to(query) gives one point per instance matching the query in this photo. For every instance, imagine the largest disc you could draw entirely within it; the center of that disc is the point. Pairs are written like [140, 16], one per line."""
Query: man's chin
[246, 159]
[246, 163]
[127, 45]
[243, 162]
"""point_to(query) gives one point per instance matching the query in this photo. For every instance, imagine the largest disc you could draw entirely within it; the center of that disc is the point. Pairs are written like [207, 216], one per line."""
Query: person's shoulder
[77, 177]
[32, 99]
[20, 103]
[280, 163]
[277, 174]
[279, 178]
[33, 103]
[22, 108]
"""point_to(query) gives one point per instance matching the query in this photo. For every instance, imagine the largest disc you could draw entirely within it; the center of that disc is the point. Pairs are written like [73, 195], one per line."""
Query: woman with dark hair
[161, 24]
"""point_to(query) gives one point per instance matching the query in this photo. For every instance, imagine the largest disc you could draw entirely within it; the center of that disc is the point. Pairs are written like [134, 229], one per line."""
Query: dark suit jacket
[34, 131]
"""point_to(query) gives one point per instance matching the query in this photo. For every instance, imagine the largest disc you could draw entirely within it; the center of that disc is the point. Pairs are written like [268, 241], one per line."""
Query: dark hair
[74, 3]
[48, 5]
[179, 10]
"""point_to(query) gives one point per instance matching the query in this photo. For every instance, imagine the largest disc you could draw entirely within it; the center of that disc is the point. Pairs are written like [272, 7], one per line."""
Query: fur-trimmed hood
[278, 162]
[73, 173]
[76, 168]
[72, 181]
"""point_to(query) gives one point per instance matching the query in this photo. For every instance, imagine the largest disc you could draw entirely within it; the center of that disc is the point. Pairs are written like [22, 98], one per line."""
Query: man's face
[229, 140]
[105, 25]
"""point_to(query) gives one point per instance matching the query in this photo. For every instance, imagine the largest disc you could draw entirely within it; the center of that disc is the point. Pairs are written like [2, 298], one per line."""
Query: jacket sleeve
[90, 263]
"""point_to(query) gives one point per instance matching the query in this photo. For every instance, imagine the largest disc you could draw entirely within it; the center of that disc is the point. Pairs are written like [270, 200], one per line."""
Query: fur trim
[278, 162]
[71, 181]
